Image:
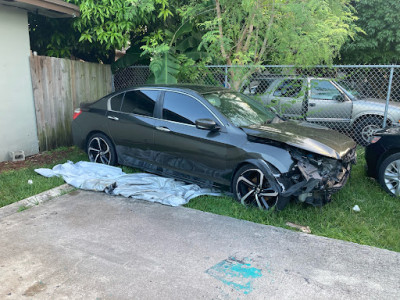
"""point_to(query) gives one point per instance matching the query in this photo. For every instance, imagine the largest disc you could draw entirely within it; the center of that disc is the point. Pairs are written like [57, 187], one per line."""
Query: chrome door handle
[162, 128]
[113, 118]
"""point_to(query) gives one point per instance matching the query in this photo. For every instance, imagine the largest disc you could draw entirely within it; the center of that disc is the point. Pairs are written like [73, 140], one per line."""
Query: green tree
[112, 22]
[58, 38]
[255, 32]
[380, 44]
[174, 54]
[102, 27]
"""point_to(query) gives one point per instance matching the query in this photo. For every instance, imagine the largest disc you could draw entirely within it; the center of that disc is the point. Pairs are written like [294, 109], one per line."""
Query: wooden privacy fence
[59, 86]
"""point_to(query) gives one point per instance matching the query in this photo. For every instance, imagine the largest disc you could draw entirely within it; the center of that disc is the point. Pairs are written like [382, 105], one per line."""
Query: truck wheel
[365, 129]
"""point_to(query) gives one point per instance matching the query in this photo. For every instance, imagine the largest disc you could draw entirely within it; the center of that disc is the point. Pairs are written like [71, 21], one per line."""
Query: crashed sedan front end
[313, 178]
[318, 163]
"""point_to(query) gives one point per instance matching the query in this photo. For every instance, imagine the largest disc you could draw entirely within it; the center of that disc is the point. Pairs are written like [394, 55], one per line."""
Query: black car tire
[364, 129]
[251, 188]
[389, 174]
[101, 150]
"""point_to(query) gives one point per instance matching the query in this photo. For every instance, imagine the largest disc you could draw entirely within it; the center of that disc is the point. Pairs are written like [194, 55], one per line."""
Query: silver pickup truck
[327, 102]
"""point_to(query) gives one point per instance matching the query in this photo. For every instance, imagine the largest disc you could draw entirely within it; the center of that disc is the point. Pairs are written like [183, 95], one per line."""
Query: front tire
[101, 150]
[365, 129]
[251, 188]
[389, 174]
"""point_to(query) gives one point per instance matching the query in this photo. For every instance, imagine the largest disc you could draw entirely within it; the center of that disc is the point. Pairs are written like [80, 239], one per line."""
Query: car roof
[198, 88]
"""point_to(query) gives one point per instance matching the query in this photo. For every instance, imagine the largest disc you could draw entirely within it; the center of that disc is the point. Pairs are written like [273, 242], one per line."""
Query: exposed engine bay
[314, 178]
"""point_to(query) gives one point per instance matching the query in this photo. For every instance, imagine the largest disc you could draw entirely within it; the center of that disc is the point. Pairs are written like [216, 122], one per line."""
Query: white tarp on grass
[113, 181]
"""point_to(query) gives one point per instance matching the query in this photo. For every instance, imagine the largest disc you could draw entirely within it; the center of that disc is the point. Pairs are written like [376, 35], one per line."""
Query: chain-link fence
[355, 100]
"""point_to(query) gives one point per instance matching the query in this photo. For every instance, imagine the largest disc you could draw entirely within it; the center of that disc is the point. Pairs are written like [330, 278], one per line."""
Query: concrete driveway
[86, 245]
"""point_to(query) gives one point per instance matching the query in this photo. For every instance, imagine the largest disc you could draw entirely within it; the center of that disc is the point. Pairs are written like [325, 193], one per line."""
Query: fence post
[112, 83]
[388, 96]
[226, 77]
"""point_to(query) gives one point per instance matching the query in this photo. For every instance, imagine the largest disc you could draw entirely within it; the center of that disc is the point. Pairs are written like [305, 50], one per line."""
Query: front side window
[184, 109]
[289, 88]
[240, 109]
[324, 90]
[140, 102]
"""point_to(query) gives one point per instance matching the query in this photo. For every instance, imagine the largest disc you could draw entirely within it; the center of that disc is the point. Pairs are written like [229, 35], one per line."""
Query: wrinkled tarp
[112, 180]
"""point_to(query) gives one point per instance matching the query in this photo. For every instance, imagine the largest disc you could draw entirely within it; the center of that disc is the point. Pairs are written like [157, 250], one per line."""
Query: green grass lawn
[14, 183]
[377, 224]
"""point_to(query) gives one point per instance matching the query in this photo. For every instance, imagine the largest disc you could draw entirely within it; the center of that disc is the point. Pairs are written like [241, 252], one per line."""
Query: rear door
[182, 149]
[131, 125]
[327, 105]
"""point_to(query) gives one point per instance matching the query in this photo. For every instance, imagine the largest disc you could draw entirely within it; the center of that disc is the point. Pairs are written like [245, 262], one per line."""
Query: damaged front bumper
[314, 178]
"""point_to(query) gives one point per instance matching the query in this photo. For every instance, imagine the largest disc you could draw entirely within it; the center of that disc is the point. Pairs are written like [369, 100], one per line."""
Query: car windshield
[240, 109]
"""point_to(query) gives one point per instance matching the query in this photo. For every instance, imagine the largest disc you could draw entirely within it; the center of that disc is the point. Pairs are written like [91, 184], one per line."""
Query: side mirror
[207, 124]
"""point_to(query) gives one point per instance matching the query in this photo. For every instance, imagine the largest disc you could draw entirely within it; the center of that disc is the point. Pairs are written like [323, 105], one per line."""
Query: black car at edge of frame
[383, 159]
[213, 136]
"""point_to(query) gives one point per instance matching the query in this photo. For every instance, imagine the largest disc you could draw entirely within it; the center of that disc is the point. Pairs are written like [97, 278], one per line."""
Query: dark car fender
[276, 155]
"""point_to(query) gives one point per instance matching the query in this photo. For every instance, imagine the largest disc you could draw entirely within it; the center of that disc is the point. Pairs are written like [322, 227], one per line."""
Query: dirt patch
[35, 289]
[38, 160]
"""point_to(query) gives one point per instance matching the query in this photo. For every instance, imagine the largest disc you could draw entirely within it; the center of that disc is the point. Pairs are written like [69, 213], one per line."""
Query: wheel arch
[361, 124]
[361, 118]
[264, 166]
[386, 155]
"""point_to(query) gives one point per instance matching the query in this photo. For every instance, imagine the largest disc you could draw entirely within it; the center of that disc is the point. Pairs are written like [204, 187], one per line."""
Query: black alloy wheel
[251, 188]
[101, 150]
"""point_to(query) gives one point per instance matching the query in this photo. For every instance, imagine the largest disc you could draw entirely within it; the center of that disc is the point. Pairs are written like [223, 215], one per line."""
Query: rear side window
[289, 88]
[184, 109]
[259, 86]
[116, 102]
[263, 86]
[140, 102]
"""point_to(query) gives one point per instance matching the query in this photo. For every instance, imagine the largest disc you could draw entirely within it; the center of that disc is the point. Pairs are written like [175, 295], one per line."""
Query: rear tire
[251, 188]
[101, 150]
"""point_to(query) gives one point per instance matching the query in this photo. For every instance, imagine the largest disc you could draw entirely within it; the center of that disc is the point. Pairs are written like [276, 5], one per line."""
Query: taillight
[375, 139]
[77, 112]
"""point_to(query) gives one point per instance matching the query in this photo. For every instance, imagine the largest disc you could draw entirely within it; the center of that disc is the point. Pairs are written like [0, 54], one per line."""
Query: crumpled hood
[303, 135]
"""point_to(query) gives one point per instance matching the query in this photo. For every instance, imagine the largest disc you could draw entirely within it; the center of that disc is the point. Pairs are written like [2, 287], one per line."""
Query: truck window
[323, 90]
[289, 88]
[263, 86]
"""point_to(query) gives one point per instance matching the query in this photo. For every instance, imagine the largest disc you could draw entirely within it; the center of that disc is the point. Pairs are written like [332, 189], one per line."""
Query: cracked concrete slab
[86, 245]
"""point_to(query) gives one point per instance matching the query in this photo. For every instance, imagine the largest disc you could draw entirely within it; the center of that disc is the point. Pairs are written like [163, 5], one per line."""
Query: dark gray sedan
[216, 137]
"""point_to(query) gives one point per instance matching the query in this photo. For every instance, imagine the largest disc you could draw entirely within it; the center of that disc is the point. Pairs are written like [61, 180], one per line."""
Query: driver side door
[183, 150]
[327, 105]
